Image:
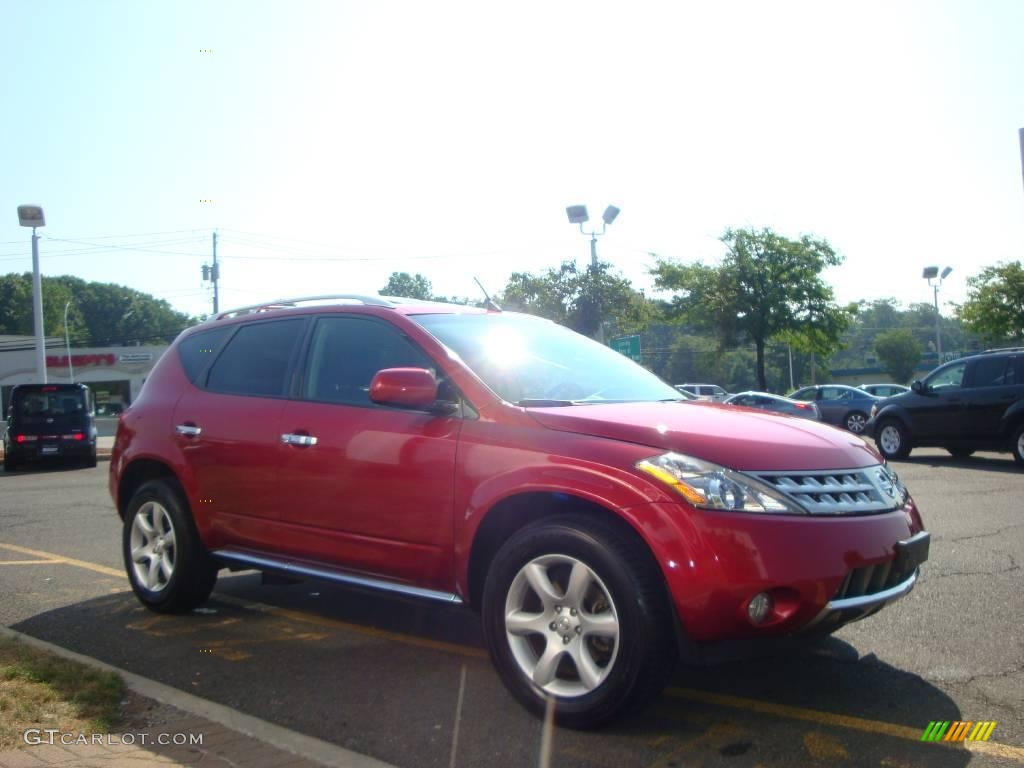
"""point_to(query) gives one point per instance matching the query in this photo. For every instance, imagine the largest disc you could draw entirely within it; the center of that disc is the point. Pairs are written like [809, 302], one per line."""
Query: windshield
[534, 362]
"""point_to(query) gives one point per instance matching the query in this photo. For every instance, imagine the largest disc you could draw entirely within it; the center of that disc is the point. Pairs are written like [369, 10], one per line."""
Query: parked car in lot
[841, 405]
[974, 403]
[596, 521]
[704, 391]
[884, 390]
[685, 393]
[49, 422]
[775, 403]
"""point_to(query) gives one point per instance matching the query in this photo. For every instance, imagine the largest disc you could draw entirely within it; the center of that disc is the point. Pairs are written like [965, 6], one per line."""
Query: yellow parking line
[64, 560]
[784, 711]
[29, 562]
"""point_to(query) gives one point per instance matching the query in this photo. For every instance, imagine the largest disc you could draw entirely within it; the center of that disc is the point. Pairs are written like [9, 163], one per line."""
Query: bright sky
[341, 141]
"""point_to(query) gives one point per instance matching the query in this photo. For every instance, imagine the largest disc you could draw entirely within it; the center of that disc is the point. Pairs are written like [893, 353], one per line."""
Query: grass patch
[41, 690]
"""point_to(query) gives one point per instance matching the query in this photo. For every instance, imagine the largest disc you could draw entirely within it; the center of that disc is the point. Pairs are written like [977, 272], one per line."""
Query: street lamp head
[609, 214]
[945, 272]
[930, 273]
[577, 214]
[31, 216]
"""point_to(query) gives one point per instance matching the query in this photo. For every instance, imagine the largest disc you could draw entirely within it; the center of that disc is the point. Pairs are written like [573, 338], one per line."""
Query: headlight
[709, 486]
[899, 489]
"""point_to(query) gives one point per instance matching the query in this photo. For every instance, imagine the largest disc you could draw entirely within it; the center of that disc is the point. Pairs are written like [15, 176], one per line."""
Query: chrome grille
[839, 492]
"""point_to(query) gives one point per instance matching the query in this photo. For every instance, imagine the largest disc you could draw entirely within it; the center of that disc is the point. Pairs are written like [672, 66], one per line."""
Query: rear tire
[169, 568]
[574, 611]
[10, 463]
[892, 439]
[1017, 445]
[855, 421]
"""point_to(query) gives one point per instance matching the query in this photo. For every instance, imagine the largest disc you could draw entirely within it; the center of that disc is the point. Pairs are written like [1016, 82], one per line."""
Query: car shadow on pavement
[345, 665]
[986, 463]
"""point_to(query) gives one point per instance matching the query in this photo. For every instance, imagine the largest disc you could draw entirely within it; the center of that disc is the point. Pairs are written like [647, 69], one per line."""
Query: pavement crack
[996, 532]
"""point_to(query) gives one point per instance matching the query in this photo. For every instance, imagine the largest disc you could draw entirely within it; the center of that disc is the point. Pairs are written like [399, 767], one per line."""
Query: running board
[287, 568]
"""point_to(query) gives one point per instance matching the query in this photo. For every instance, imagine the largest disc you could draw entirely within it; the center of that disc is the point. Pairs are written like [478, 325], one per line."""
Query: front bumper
[821, 572]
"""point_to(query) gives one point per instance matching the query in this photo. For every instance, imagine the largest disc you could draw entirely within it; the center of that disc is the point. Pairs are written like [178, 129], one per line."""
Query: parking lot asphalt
[386, 676]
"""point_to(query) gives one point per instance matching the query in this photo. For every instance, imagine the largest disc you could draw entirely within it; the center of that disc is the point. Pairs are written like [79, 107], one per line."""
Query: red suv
[594, 518]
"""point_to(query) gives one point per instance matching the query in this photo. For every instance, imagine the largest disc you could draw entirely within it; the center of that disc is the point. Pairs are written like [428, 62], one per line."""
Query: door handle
[301, 440]
[188, 430]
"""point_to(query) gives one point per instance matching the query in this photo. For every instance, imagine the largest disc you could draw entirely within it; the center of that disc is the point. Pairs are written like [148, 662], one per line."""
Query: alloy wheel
[890, 439]
[153, 546]
[562, 626]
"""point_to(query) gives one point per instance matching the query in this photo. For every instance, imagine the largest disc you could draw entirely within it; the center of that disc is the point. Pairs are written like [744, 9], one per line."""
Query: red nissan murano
[592, 517]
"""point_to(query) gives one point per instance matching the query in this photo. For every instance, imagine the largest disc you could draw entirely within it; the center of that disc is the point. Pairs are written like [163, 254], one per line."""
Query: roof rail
[267, 306]
[1003, 349]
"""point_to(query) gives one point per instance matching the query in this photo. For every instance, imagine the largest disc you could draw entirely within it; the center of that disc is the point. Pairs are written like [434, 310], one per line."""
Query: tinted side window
[345, 354]
[199, 349]
[805, 394]
[255, 362]
[989, 372]
[950, 377]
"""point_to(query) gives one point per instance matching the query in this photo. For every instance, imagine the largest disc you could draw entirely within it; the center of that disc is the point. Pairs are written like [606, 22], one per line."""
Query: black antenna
[490, 302]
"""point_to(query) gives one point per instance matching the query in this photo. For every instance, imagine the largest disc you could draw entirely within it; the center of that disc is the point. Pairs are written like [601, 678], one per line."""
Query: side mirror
[405, 387]
[917, 386]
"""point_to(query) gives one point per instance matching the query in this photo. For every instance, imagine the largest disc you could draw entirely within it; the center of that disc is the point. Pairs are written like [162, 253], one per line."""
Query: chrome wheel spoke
[537, 576]
[600, 625]
[590, 674]
[521, 623]
[579, 581]
[547, 664]
[142, 552]
[151, 574]
[166, 566]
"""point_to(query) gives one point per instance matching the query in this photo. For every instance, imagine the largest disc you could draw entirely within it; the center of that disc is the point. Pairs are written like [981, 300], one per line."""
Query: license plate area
[49, 449]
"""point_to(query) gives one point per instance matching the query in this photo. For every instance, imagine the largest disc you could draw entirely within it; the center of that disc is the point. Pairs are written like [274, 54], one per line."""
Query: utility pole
[215, 275]
[212, 274]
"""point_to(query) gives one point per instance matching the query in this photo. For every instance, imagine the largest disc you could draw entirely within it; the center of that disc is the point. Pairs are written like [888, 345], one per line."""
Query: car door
[938, 412]
[991, 387]
[372, 488]
[226, 426]
[832, 405]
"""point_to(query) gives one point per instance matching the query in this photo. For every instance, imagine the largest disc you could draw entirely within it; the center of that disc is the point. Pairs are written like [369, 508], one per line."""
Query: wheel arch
[515, 512]
[136, 474]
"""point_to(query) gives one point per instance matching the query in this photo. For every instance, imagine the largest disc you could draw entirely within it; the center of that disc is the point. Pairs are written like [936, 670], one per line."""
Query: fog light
[759, 607]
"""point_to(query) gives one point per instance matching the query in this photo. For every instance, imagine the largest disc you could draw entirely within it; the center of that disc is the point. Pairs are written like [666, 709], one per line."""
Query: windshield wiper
[543, 403]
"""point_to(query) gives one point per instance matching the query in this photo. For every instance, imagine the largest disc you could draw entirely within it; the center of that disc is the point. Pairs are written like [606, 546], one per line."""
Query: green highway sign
[629, 346]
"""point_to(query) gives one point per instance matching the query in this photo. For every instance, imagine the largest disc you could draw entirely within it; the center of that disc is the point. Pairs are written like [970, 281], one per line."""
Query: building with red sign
[114, 374]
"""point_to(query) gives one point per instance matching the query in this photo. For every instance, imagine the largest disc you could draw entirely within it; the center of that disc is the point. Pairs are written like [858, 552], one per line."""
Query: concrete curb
[298, 744]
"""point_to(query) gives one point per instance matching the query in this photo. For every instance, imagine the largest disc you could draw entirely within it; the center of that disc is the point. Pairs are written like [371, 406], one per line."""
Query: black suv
[974, 403]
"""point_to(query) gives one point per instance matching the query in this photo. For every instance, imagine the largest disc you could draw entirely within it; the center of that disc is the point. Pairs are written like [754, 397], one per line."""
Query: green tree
[995, 302]
[581, 299]
[767, 287]
[100, 314]
[408, 286]
[899, 353]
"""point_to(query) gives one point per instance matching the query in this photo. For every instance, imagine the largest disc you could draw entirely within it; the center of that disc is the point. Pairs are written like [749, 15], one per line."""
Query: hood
[739, 438]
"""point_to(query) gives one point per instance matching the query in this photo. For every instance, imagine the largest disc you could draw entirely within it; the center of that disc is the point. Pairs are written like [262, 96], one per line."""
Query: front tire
[855, 422]
[892, 439]
[1017, 445]
[575, 611]
[169, 568]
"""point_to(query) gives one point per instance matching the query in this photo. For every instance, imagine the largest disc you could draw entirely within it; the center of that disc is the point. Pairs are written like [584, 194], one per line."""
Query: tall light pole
[67, 343]
[929, 274]
[578, 215]
[32, 216]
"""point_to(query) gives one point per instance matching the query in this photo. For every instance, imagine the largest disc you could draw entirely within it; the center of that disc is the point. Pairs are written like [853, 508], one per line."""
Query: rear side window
[199, 349]
[345, 354]
[255, 361]
[50, 405]
[990, 372]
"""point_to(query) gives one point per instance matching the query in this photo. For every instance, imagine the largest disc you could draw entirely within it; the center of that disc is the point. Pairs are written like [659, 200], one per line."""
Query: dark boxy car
[50, 422]
[974, 403]
[595, 520]
[841, 405]
[775, 403]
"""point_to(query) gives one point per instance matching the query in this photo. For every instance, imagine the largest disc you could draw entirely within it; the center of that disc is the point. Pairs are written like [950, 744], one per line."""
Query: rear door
[991, 387]
[226, 427]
